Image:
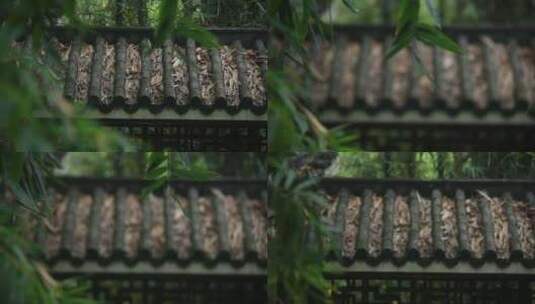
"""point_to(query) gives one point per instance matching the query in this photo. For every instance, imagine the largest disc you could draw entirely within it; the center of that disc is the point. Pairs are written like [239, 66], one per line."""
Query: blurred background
[434, 165]
[449, 12]
[243, 13]
[209, 165]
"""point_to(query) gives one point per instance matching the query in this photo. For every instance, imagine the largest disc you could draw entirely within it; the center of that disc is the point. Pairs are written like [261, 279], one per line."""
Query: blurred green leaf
[409, 28]
[433, 12]
[402, 40]
[167, 20]
[349, 4]
[433, 36]
[189, 29]
[163, 167]
[407, 15]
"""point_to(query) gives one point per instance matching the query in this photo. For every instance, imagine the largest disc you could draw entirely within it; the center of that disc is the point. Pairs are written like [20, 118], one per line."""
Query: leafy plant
[295, 270]
[25, 174]
[26, 281]
[436, 165]
[24, 278]
[162, 167]
[409, 28]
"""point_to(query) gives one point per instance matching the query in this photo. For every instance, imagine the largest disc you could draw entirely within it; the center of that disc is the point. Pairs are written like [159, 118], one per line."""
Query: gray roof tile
[443, 221]
[108, 220]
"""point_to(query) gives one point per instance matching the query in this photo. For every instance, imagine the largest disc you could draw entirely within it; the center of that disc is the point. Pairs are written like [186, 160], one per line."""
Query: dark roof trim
[435, 119]
[193, 115]
[250, 186]
[522, 32]
[414, 269]
[128, 180]
[445, 186]
[147, 268]
[247, 36]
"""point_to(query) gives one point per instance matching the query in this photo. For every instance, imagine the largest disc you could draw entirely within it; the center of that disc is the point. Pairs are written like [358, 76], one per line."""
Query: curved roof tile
[446, 222]
[105, 221]
[113, 69]
[494, 74]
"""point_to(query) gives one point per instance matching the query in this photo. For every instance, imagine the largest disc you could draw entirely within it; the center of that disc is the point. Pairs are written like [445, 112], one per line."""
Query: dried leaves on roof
[108, 224]
[156, 76]
[230, 74]
[376, 226]
[179, 74]
[133, 72]
[413, 74]
[108, 73]
[351, 227]
[401, 226]
[475, 228]
[84, 72]
[450, 220]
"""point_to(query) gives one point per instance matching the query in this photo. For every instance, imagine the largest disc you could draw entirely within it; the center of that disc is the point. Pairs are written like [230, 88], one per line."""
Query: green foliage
[431, 35]
[409, 27]
[292, 125]
[242, 13]
[245, 13]
[162, 167]
[98, 12]
[436, 165]
[24, 279]
[351, 6]
[438, 12]
[166, 20]
[125, 164]
[102, 164]
[25, 173]
[29, 87]
[295, 270]
[188, 28]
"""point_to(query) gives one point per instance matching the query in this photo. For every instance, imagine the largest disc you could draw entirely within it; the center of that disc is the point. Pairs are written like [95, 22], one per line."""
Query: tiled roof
[105, 221]
[116, 69]
[492, 81]
[446, 222]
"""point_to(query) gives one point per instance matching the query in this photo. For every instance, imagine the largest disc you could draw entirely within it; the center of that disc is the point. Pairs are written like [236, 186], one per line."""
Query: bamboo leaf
[432, 35]
[167, 18]
[433, 11]
[349, 4]
[189, 29]
[289, 179]
[402, 40]
[408, 14]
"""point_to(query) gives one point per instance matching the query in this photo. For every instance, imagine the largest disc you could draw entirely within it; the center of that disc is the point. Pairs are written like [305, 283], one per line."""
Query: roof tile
[431, 221]
[493, 75]
[108, 220]
[114, 69]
